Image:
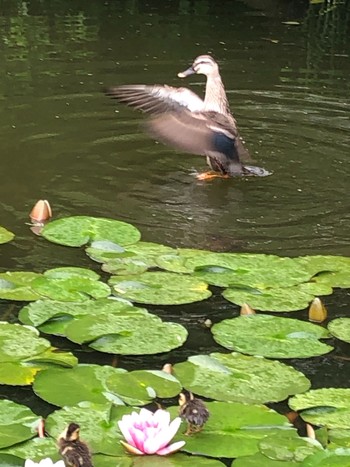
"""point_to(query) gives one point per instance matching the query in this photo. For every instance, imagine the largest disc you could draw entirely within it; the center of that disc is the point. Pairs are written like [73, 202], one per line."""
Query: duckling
[181, 119]
[74, 451]
[194, 411]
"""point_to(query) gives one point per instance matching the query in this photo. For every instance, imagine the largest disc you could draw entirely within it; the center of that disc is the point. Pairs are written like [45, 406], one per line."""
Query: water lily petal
[162, 417]
[124, 427]
[130, 449]
[166, 435]
[171, 448]
[30, 463]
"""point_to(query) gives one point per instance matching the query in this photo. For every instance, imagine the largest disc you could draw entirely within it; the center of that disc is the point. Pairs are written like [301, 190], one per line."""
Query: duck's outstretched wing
[205, 133]
[156, 99]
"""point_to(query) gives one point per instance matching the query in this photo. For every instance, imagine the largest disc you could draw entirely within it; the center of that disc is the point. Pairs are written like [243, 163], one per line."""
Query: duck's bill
[183, 74]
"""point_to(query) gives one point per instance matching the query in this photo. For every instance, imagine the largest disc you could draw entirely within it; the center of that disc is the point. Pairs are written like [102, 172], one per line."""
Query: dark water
[63, 140]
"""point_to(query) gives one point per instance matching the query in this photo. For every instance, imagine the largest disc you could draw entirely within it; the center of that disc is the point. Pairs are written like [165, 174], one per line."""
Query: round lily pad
[160, 288]
[273, 299]
[82, 383]
[271, 336]
[236, 377]
[328, 407]
[5, 235]
[338, 458]
[334, 279]
[7, 460]
[340, 328]
[79, 230]
[234, 429]
[259, 460]
[174, 460]
[288, 448]
[324, 263]
[35, 449]
[127, 334]
[19, 342]
[17, 423]
[69, 272]
[17, 286]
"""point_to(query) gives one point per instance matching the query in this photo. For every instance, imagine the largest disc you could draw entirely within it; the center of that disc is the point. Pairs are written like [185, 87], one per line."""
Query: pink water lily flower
[150, 433]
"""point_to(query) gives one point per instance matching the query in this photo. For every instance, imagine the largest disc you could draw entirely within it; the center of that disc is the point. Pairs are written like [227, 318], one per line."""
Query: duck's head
[202, 65]
[71, 432]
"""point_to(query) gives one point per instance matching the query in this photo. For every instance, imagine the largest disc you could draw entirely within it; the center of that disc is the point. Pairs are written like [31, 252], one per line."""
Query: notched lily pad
[17, 423]
[328, 407]
[17, 286]
[271, 336]
[76, 231]
[236, 377]
[340, 328]
[160, 288]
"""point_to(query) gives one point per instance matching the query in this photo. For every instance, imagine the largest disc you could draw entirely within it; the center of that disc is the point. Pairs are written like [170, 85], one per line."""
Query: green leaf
[69, 272]
[340, 328]
[69, 387]
[319, 263]
[129, 334]
[326, 406]
[259, 460]
[17, 374]
[160, 288]
[234, 430]
[271, 336]
[17, 423]
[35, 449]
[334, 279]
[41, 311]
[18, 342]
[79, 230]
[175, 460]
[289, 448]
[338, 458]
[5, 236]
[235, 377]
[17, 286]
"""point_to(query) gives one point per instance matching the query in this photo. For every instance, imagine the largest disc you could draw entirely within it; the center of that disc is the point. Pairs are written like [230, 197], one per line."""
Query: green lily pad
[5, 235]
[174, 460]
[234, 429]
[271, 336]
[19, 342]
[327, 406]
[227, 269]
[82, 383]
[236, 377]
[41, 311]
[340, 328]
[318, 263]
[52, 357]
[35, 449]
[160, 288]
[289, 448]
[338, 458]
[144, 385]
[7, 460]
[17, 374]
[73, 288]
[99, 425]
[334, 279]
[128, 334]
[17, 423]
[259, 460]
[79, 230]
[69, 272]
[17, 286]
[273, 299]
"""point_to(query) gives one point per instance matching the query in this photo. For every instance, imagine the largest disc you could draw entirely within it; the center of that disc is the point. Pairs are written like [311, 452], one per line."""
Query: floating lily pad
[101, 460]
[340, 328]
[273, 299]
[79, 230]
[129, 334]
[17, 423]
[41, 311]
[99, 425]
[259, 460]
[18, 342]
[160, 288]
[271, 336]
[17, 286]
[69, 272]
[144, 385]
[7, 460]
[236, 377]
[318, 263]
[71, 288]
[5, 235]
[35, 449]
[175, 460]
[327, 406]
[82, 383]
[289, 448]
[337, 458]
[334, 279]
[234, 430]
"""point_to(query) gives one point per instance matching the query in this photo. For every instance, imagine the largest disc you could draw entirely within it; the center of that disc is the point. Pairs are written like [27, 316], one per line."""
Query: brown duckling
[194, 411]
[74, 451]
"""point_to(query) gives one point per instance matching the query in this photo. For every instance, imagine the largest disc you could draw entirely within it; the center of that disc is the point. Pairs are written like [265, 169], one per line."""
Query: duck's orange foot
[210, 176]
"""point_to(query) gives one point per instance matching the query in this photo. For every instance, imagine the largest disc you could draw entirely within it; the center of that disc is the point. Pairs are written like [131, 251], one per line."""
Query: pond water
[61, 139]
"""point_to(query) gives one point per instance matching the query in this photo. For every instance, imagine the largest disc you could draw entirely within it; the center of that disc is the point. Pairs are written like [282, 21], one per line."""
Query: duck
[180, 118]
[75, 452]
[193, 411]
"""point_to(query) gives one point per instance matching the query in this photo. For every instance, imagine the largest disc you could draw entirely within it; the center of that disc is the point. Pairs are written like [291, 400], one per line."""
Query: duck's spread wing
[156, 99]
[204, 133]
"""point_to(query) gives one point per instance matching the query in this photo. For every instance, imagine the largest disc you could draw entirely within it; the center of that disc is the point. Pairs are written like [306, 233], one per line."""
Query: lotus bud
[41, 212]
[246, 310]
[317, 311]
